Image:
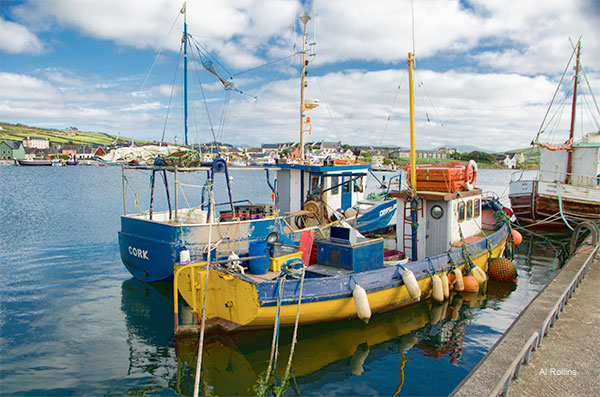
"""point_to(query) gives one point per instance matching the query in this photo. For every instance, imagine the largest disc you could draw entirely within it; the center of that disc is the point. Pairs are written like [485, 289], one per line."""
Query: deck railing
[589, 181]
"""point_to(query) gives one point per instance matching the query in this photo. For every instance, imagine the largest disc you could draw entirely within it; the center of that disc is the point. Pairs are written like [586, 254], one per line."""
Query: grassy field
[18, 132]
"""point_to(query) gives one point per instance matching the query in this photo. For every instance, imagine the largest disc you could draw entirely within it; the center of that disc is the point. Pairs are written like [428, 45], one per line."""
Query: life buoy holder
[470, 175]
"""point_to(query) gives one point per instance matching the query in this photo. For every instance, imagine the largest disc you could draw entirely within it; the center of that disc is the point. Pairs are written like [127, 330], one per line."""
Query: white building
[36, 142]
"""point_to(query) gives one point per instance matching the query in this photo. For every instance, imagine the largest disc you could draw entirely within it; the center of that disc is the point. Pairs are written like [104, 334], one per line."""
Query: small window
[347, 185]
[314, 184]
[358, 184]
[436, 212]
[470, 209]
[461, 211]
[477, 208]
[335, 180]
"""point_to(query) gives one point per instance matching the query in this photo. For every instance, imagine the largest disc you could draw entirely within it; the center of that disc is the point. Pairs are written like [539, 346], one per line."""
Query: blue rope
[431, 264]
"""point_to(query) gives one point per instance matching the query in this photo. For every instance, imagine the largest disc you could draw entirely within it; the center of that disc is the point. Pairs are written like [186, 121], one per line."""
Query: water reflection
[337, 357]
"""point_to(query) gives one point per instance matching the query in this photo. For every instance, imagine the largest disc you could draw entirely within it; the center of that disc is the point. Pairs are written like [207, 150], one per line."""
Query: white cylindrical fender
[410, 281]
[445, 285]
[363, 310]
[437, 290]
[479, 275]
[460, 285]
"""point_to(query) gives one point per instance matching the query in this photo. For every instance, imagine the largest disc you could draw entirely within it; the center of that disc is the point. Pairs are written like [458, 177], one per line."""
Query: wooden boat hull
[540, 204]
[236, 301]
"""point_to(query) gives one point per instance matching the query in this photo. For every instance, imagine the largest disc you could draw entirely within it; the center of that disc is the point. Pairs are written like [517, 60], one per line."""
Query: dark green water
[73, 322]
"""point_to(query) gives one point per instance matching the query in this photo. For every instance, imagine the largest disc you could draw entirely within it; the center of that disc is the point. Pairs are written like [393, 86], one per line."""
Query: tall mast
[413, 156]
[573, 112]
[305, 18]
[185, 104]
[414, 204]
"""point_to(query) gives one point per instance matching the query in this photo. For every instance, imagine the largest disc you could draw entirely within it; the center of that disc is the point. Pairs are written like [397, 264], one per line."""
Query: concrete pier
[566, 363]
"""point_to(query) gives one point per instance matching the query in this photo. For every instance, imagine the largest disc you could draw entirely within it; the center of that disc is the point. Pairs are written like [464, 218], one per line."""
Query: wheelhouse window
[477, 208]
[347, 186]
[314, 184]
[470, 209]
[461, 211]
[335, 180]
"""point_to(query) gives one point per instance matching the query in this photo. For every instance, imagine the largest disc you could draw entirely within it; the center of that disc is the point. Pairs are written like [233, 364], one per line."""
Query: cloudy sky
[486, 69]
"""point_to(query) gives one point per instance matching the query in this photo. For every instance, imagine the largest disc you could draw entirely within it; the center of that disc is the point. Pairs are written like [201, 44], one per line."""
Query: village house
[511, 160]
[36, 142]
[10, 150]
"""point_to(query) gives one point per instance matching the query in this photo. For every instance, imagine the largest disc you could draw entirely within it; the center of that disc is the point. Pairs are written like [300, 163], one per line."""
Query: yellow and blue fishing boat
[441, 232]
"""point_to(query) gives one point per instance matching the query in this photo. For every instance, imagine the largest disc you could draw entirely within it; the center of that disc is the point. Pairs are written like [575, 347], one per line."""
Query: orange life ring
[470, 175]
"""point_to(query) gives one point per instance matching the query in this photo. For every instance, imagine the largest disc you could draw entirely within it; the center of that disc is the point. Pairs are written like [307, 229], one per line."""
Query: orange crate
[442, 174]
[439, 186]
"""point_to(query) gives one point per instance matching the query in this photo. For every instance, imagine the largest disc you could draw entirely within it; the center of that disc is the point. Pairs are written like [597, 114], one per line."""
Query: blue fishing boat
[303, 197]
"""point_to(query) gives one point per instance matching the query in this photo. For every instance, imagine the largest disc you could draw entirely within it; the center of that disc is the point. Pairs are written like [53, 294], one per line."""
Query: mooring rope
[203, 321]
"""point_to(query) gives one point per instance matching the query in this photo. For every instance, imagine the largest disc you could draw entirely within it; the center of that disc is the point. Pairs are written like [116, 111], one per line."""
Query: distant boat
[566, 189]
[35, 163]
[71, 162]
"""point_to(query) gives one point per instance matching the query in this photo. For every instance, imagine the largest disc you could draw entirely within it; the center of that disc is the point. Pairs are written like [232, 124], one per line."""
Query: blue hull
[149, 249]
[377, 218]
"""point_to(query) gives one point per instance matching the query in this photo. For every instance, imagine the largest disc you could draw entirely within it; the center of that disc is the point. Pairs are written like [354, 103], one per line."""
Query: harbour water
[73, 321]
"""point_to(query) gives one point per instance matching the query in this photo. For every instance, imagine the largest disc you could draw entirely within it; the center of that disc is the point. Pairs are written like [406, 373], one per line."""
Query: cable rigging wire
[392, 108]
[162, 139]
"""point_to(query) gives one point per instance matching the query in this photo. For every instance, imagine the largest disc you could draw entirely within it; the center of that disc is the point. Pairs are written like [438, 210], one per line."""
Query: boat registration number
[140, 253]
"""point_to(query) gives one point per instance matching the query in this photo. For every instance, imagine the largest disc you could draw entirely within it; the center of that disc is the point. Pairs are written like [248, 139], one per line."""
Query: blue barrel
[260, 265]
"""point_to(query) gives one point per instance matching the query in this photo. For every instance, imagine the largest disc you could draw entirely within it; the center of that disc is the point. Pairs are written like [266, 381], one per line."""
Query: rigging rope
[392, 109]
[162, 139]
[540, 131]
[203, 322]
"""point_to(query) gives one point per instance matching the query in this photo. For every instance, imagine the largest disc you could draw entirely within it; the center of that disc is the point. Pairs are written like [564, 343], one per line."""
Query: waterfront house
[99, 152]
[69, 150]
[32, 153]
[10, 150]
[511, 160]
[36, 142]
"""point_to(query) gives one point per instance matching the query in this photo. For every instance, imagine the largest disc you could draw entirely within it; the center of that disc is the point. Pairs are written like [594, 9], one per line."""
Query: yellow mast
[413, 156]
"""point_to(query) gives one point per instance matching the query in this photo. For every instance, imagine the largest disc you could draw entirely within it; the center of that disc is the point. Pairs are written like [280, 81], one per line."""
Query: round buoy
[470, 284]
[517, 237]
[501, 269]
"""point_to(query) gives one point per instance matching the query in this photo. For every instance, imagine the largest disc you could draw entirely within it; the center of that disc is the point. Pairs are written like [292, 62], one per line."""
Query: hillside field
[18, 132]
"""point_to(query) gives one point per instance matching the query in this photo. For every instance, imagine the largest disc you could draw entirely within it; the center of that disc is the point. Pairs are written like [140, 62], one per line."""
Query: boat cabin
[585, 163]
[322, 190]
[444, 220]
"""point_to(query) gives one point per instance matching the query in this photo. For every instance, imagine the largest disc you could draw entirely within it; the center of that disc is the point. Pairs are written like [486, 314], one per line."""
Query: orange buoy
[501, 269]
[470, 284]
[517, 237]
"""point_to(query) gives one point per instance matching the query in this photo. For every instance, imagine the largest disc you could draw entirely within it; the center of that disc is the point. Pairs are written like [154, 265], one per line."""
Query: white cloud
[17, 39]
[489, 69]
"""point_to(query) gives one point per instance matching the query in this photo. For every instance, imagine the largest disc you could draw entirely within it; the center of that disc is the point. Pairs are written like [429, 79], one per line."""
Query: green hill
[18, 132]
